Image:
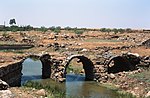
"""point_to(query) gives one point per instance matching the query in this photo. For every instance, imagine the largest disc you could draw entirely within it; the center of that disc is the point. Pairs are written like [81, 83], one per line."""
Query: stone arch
[87, 66]
[46, 64]
[123, 63]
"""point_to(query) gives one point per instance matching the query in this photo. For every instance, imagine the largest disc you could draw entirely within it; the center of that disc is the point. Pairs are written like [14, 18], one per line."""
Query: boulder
[146, 43]
[112, 76]
[41, 92]
[61, 80]
[148, 94]
[6, 94]
[3, 85]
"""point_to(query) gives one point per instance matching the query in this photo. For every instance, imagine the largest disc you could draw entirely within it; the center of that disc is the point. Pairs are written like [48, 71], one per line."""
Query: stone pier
[46, 66]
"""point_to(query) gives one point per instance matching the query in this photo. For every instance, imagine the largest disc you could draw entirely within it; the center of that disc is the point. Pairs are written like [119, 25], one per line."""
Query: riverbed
[75, 86]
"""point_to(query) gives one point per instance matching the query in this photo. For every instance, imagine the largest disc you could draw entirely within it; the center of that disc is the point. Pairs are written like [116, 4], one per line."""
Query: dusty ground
[90, 43]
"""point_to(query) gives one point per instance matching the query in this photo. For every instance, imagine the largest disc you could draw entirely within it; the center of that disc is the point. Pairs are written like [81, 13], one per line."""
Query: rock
[112, 76]
[61, 68]
[82, 71]
[63, 45]
[114, 36]
[136, 88]
[41, 92]
[98, 62]
[3, 85]
[148, 94]
[2, 61]
[61, 80]
[84, 50]
[146, 43]
[134, 54]
[56, 74]
[6, 94]
[49, 45]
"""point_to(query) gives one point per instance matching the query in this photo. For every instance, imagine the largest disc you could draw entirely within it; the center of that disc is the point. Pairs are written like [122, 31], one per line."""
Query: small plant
[52, 89]
[43, 29]
[78, 32]
[115, 30]
[55, 29]
[5, 34]
[68, 28]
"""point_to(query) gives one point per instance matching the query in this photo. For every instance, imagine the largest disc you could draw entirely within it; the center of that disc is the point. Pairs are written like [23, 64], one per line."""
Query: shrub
[43, 29]
[78, 31]
[103, 29]
[55, 29]
[68, 28]
[115, 30]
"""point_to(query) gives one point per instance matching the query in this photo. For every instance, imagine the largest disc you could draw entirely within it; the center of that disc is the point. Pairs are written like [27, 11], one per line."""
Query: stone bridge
[88, 66]
[57, 68]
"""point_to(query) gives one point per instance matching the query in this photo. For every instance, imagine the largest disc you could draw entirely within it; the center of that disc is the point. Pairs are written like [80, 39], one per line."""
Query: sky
[77, 13]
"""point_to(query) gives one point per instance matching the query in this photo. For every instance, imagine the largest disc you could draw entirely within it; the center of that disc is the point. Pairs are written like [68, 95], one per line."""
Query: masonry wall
[11, 73]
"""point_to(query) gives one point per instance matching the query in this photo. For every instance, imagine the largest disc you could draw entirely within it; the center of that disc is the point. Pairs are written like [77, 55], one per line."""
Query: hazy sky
[77, 13]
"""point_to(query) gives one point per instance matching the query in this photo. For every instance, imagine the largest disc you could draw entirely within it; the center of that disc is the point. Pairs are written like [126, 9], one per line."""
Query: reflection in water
[32, 70]
[75, 86]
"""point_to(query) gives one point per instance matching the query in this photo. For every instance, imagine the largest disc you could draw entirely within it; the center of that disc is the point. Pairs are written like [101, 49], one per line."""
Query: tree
[115, 30]
[108, 30]
[79, 32]
[128, 30]
[12, 21]
[121, 30]
[43, 29]
[103, 29]
[67, 28]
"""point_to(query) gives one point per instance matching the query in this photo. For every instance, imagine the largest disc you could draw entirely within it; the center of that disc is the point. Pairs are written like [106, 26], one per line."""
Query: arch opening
[87, 66]
[36, 67]
[31, 70]
[122, 63]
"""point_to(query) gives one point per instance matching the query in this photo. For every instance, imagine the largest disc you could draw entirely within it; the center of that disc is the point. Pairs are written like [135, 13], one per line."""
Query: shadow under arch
[123, 63]
[87, 66]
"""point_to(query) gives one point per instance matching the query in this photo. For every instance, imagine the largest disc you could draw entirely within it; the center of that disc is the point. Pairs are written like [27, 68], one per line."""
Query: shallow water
[32, 70]
[75, 86]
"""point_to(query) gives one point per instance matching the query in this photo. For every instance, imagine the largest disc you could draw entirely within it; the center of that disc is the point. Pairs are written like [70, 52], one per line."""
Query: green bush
[78, 31]
[52, 89]
[43, 29]
[68, 28]
[55, 29]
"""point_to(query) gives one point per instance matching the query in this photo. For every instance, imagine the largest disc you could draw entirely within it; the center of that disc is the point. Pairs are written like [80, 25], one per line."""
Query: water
[75, 86]
[78, 88]
[32, 70]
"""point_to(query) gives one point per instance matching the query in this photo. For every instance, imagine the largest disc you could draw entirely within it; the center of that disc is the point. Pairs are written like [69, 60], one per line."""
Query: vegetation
[115, 30]
[42, 29]
[12, 21]
[16, 28]
[55, 29]
[119, 93]
[14, 51]
[68, 28]
[5, 34]
[78, 31]
[53, 90]
[143, 76]
[99, 40]
[58, 29]
[74, 69]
